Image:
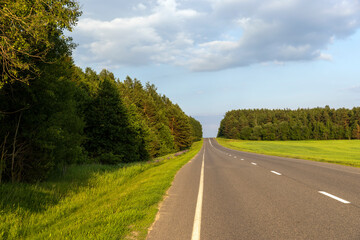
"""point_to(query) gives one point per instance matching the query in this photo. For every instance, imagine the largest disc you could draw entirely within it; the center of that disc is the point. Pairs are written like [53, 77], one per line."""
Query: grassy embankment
[90, 202]
[345, 152]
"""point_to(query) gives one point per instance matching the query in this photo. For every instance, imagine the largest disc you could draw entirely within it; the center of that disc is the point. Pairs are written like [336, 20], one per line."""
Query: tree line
[53, 113]
[301, 124]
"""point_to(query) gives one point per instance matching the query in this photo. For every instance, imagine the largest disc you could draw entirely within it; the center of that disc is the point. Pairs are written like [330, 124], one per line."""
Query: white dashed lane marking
[334, 197]
[276, 173]
[196, 230]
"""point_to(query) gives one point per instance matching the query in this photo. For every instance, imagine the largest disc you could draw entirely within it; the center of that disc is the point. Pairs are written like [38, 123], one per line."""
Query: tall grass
[90, 202]
[345, 152]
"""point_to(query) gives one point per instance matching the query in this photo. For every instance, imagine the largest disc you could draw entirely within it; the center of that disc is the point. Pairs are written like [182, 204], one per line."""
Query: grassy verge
[345, 152]
[90, 202]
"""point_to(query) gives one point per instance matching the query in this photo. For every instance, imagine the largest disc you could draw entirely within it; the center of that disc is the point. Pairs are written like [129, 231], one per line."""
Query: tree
[180, 127]
[245, 133]
[35, 51]
[300, 124]
[108, 130]
[268, 131]
[196, 129]
[168, 127]
[145, 102]
[356, 130]
[256, 134]
[283, 130]
[50, 110]
[47, 132]
[27, 30]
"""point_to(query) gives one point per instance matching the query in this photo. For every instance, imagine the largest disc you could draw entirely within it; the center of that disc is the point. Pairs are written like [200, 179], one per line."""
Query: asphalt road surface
[228, 194]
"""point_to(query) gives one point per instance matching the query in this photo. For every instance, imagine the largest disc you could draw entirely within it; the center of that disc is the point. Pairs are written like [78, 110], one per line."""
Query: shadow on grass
[38, 197]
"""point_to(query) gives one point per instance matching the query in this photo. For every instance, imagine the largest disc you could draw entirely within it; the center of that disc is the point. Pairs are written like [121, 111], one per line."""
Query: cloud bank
[210, 35]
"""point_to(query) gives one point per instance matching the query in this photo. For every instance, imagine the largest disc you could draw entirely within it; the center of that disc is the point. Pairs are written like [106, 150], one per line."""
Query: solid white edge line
[276, 173]
[334, 197]
[254, 163]
[197, 217]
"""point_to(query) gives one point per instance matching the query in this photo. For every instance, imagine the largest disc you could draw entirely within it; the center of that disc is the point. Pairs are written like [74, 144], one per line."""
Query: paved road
[228, 194]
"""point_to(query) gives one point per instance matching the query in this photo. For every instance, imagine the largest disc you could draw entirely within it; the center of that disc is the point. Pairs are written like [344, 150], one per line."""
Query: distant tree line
[53, 113]
[301, 124]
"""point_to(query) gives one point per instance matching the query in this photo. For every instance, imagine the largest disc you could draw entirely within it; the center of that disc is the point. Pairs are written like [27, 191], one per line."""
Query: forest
[301, 124]
[54, 114]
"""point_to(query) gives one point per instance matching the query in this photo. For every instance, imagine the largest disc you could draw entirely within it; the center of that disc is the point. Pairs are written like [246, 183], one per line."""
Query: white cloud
[140, 7]
[325, 56]
[223, 34]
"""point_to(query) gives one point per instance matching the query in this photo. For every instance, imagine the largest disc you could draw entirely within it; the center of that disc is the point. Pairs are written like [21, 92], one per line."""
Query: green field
[345, 152]
[90, 202]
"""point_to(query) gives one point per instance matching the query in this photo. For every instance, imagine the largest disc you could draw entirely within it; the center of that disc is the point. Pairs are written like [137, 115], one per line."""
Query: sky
[213, 56]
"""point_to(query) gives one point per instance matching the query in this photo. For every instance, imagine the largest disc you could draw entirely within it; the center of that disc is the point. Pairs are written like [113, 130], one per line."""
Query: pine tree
[108, 130]
[300, 124]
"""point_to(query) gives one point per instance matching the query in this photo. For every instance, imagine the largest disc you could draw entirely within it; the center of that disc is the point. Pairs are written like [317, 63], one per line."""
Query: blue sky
[212, 56]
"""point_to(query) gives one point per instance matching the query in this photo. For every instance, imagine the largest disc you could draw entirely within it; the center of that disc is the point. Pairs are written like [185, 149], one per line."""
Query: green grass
[345, 152]
[90, 202]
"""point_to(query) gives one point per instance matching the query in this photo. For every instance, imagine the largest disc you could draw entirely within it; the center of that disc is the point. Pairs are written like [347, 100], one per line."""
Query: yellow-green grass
[345, 152]
[90, 202]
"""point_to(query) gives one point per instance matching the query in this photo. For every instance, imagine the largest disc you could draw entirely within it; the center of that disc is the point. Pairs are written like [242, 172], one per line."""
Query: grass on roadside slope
[90, 202]
[345, 152]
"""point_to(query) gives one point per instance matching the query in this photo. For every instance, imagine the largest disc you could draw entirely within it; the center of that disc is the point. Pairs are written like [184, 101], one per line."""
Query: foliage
[40, 127]
[180, 127]
[27, 30]
[168, 127]
[345, 152]
[196, 129]
[90, 201]
[53, 114]
[301, 124]
[70, 116]
[108, 129]
[47, 132]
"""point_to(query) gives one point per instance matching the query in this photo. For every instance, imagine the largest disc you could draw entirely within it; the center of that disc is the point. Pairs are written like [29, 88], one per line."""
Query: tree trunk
[2, 160]
[13, 177]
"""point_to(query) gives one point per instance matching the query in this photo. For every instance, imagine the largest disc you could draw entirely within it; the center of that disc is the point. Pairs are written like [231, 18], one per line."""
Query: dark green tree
[108, 131]
[180, 127]
[196, 129]
[47, 131]
[301, 124]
